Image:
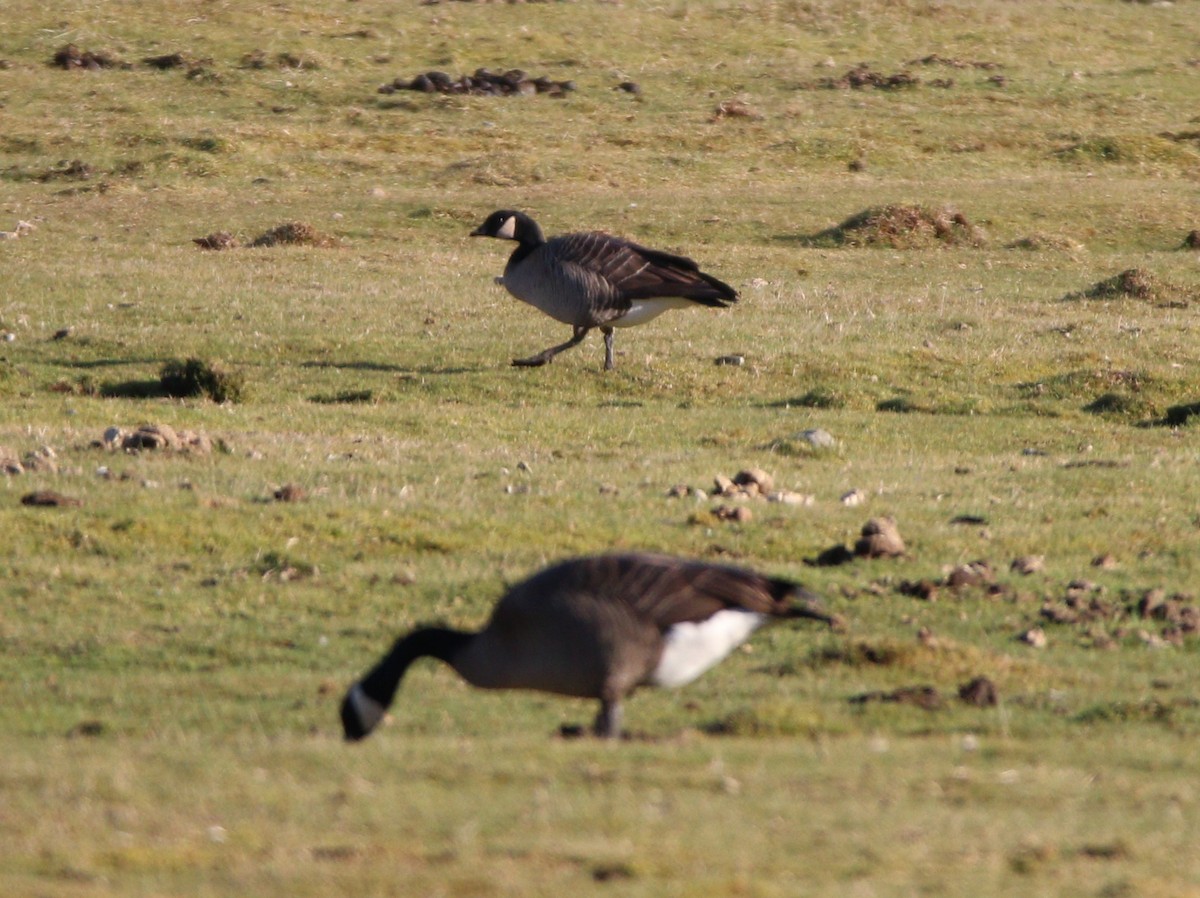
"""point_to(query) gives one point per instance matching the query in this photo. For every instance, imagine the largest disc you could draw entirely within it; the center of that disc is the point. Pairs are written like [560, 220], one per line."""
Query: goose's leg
[608, 348]
[547, 354]
[608, 721]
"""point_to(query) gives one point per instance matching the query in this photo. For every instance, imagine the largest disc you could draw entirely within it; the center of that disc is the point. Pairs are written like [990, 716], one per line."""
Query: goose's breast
[568, 294]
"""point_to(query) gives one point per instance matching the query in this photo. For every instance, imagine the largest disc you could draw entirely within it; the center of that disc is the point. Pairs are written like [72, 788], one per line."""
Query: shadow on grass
[395, 369]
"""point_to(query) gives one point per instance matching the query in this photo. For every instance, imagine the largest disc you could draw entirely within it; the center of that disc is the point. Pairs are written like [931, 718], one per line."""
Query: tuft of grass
[198, 377]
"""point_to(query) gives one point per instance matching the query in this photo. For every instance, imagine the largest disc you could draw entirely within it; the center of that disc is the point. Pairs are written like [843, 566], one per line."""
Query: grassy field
[175, 637]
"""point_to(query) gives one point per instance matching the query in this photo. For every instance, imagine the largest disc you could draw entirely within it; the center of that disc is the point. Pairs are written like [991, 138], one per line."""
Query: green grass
[174, 648]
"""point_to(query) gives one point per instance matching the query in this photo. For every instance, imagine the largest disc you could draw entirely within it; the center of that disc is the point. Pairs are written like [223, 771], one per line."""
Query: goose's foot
[544, 357]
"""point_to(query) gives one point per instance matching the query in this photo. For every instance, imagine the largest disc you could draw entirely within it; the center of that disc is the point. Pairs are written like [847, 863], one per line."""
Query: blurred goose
[595, 627]
[593, 279]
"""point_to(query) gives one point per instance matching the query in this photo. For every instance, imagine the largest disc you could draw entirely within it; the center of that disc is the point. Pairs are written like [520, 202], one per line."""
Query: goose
[594, 627]
[593, 279]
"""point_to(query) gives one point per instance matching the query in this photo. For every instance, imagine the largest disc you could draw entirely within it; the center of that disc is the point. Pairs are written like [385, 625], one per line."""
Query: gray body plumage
[597, 627]
[596, 280]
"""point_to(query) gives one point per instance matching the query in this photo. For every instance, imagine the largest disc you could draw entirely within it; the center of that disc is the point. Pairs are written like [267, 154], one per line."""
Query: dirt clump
[294, 233]
[863, 77]
[901, 226]
[217, 240]
[921, 696]
[70, 56]
[156, 437]
[1138, 283]
[482, 83]
[980, 692]
[49, 499]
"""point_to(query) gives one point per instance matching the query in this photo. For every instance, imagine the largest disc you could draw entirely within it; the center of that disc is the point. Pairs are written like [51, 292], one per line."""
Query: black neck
[384, 678]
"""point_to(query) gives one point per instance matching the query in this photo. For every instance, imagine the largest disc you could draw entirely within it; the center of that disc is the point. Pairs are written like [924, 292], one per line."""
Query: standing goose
[596, 627]
[594, 279]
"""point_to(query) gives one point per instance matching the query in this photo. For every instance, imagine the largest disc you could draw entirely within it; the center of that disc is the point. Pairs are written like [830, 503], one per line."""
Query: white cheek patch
[368, 711]
[692, 648]
[508, 228]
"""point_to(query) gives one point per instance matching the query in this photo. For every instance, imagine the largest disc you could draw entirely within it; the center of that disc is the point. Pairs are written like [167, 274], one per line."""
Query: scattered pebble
[734, 360]
[853, 498]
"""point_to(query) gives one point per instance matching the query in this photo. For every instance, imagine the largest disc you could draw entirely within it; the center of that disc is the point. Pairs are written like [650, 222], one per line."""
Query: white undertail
[692, 648]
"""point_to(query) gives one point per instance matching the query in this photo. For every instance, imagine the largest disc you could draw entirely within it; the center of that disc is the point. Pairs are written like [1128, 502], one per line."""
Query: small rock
[739, 514]
[755, 480]
[853, 498]
[732, 360]
[1035, 637]
[880, 539]
[787, 497]
[1028, 564]
[973, 573]
[1105, 562]
[151, 436]
[113, 437]
[817, 438]
[9, 463]
[723, 486]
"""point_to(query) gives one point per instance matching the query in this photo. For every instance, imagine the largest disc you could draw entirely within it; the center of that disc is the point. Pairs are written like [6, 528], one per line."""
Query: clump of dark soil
[863, 77]
[483, 83]
[902, 227]
[954, 63]
[294, 233]
[921, 696]
[68, 170]
[49, 499]
[1138, 283]
[217, 240]
[71, 57]
[1192, 240]
[258, 59]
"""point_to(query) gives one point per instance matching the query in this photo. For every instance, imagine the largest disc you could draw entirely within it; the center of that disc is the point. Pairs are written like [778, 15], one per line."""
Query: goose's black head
[507, 224]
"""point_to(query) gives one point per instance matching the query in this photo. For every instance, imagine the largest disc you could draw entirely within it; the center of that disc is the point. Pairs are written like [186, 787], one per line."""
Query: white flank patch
[644, 310]
[508, 230]
[691, 649]
[368, 711]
